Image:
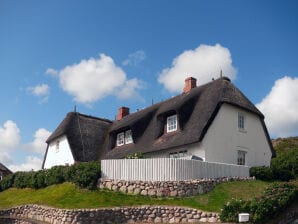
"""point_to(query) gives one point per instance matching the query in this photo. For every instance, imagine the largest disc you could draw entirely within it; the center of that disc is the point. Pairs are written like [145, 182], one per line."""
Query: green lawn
[67, 195]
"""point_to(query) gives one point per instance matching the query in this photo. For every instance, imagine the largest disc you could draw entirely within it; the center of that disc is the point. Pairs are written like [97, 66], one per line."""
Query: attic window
[241, 120]
[172, 123]
[124, 138]
[57, 145]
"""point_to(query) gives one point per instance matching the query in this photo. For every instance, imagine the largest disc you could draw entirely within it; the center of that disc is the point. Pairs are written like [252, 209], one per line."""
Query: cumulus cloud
[9, 135]
[39, 143]
[39, 90]
[128, 90]
[203, 63]
[52, 71]
[93, 79]
[134, 58]
[31, 163]
[280, 107]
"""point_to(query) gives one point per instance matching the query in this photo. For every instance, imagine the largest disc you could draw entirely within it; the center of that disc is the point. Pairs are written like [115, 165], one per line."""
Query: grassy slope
[67, 195]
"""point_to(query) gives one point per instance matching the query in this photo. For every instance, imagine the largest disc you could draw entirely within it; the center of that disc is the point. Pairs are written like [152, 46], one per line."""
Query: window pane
[241, 158]
[172, 123]
[240, 121]
[120, 139]
[128, 137]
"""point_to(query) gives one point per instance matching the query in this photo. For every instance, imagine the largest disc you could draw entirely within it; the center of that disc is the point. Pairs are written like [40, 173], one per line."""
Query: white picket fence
[168, 169]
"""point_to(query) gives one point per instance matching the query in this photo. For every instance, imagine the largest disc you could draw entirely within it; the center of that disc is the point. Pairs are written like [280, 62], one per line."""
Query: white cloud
[203, 63]
[9, 136]
[39, 143]
[39, 90]
[52, 71]
[280, 107]
[134, 58]
[128, 90]
[5, 158]
[31, 163]
[93, 79]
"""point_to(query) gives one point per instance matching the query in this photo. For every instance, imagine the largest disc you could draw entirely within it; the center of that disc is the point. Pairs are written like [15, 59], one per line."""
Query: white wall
[223, 139]
[62, 156]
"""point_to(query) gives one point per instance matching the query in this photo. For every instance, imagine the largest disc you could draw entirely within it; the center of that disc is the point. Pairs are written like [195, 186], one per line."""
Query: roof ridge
[91, 116]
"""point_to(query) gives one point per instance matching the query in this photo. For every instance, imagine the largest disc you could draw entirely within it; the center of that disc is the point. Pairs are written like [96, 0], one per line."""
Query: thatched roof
[4, 169]
[196, 110]
[85, 135]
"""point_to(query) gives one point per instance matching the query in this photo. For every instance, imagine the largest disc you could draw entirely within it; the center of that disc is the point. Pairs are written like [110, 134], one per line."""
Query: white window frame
[241, 121]
[241, 157]
[124, 138]
[120, 139]
[1, 175]
[128, 137]
[172, 123]
[57, 146]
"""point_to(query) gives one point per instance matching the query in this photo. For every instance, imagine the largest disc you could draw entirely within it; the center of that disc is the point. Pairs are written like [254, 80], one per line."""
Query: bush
[261, 173]
[84, 175]
[6, 182]
[87, 174]
[275, 199]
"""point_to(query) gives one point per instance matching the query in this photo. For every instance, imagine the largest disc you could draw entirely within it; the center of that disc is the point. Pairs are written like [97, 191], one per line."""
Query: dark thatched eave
[4, 169]
[196, 111]
[85, 135]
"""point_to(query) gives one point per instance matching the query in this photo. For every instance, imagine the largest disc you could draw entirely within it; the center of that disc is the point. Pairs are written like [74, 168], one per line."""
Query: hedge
[275, 199]
[84, 175]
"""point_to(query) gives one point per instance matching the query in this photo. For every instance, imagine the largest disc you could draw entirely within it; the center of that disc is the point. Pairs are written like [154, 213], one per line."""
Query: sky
[100, 55]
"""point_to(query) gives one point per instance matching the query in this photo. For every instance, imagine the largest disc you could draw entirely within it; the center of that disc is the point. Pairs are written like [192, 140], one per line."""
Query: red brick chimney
[190, 83]
[122, 112]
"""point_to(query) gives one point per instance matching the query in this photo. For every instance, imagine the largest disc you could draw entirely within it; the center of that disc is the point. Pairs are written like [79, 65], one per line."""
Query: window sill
[242, 130]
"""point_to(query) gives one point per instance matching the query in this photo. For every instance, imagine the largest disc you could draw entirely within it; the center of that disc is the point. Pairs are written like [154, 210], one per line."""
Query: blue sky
[100, 55]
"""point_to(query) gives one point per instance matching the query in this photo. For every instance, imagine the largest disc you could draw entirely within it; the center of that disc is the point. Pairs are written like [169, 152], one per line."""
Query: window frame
[1, 175]
[120, 139]
[172, 126]
[241, 121]
[57, 146]
[241, 157]
[128, 137]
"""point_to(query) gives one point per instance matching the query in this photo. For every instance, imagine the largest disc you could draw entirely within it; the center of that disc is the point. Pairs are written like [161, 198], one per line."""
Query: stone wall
[165, 188]
[143, 214]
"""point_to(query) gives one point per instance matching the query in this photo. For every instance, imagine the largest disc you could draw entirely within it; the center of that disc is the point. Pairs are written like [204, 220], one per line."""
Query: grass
[67, 195]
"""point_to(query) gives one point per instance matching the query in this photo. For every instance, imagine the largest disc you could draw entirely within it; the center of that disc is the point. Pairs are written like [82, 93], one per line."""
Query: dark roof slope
[5, 169]
[196, 111]
[85, 135]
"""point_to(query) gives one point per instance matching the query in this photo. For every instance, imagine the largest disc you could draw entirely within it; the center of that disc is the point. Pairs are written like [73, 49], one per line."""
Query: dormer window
[172, 123]
[124, 138]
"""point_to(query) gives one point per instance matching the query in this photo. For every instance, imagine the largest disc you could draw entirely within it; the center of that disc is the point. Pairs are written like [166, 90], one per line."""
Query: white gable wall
[61, 156]
[223, 138]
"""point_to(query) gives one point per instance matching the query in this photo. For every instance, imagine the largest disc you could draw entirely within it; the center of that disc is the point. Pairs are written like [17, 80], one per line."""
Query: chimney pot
[190, 83]
[122, 112]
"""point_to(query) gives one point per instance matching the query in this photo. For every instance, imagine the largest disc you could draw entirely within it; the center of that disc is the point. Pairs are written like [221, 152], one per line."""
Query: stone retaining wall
[165, 188]
[143, 214]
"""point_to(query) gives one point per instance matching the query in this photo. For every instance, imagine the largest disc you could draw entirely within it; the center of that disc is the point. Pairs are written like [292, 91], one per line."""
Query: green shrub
[7, 182]
[86, 174]
[261, 173]
[287, 161]
[275, 199]
[21, 179]
[55, 175]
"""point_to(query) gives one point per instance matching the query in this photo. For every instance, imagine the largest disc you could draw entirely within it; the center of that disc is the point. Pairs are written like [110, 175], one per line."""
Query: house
[4, 171]
[78, 138]
[213, 122]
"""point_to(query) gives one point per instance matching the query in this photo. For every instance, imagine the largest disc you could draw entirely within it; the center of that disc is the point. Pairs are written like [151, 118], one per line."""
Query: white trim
[172, 123]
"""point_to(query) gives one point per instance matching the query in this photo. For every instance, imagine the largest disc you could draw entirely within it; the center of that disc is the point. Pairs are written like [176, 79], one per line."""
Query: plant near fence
[84, 175]
[275, 199]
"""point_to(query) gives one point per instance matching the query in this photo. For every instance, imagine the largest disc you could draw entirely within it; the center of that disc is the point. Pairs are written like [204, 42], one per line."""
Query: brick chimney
[122, 112]
[190, 83]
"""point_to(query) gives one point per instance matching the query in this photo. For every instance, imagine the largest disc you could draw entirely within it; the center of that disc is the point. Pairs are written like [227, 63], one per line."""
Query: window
[172, 123]
[57, 146]
[128, 137]
[241, 120]
[124, 138]
[178, 154]
[120, 139]
[241, 157]
[1, 175]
